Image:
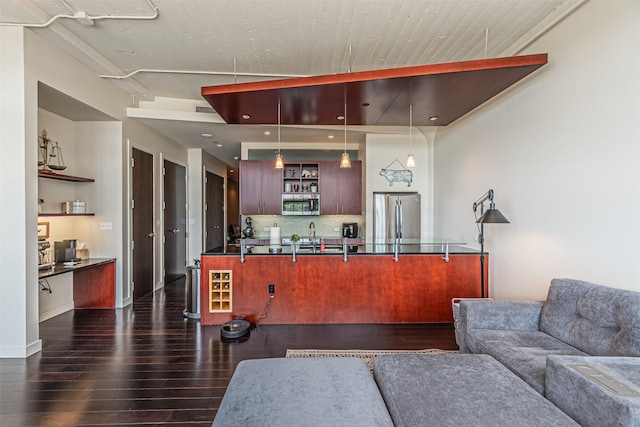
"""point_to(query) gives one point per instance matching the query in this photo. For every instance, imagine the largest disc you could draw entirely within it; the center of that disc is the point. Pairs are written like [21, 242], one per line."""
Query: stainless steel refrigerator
[396, 215]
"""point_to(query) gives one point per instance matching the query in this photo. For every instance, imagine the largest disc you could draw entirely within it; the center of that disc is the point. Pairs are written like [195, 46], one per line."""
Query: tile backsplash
[325, 224]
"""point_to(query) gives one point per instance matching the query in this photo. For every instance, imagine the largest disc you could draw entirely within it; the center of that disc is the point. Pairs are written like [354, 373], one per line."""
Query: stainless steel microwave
[300, 204]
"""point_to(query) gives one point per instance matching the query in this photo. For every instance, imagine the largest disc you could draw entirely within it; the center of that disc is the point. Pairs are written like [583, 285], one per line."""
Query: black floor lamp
[491, 216]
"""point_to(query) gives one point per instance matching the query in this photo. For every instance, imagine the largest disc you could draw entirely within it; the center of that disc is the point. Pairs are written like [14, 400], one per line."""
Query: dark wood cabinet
[260, 188]
[351, 189]
[340, 189]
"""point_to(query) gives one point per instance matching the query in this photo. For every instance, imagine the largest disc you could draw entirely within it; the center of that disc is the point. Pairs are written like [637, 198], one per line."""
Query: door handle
[151, 234]
[175, 230]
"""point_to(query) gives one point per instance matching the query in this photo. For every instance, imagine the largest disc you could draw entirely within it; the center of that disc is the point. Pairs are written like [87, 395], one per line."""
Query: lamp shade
[345, 161]
[279, 162]
[492, 216]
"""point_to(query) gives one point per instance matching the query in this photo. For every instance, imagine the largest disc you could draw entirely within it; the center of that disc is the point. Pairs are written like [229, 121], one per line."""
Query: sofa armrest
[611, 397]
[503, 315]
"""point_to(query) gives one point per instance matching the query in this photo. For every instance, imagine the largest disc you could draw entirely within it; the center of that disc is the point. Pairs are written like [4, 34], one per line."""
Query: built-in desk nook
[88, 284]
[384, 283]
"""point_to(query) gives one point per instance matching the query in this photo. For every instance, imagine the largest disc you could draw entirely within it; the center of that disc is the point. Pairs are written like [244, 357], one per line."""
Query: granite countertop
[60, 268]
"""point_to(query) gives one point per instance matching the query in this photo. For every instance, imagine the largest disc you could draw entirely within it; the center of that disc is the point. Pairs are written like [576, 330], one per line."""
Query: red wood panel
[374, 97]
[322, 289]
[94, 287]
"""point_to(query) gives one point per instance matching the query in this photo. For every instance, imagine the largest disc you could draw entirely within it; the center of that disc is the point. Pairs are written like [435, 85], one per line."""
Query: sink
[309, 250]
[305, 250]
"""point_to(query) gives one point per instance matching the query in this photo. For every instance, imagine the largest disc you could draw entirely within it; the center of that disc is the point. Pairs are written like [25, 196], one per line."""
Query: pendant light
[411, 161]
[279, 160]
[345, 161]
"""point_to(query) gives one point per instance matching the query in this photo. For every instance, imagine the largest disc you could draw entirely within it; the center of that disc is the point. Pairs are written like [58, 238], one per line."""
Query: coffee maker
[66, 251]
[44, 255]
[350, 231]
[248, 232]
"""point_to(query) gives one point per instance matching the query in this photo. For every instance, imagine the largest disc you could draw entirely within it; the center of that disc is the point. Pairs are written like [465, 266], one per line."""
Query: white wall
[562, 152]
[59, 300]
[18, 232]
[25, 60]
[381, 151]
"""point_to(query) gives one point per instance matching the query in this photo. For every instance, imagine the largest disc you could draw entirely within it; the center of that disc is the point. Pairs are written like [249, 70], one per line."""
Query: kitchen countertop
[60, 268]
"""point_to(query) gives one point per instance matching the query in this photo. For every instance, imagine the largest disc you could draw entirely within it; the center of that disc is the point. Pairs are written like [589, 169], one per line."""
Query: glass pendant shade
[345, 161]
[411, 161]
[279, 161]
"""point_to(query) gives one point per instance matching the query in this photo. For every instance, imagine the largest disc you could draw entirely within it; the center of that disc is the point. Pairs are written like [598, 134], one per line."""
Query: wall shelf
[63, 214]
[61, 177]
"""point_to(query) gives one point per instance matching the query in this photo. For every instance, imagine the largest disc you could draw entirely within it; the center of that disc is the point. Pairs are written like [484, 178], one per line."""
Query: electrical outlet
[106, 226]
[272, 289]
[336, 229]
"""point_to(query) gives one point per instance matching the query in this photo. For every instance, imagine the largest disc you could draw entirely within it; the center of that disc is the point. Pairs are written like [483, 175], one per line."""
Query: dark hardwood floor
[146, 364]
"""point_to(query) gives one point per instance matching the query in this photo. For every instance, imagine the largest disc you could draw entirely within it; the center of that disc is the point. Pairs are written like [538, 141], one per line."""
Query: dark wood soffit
[447, 91]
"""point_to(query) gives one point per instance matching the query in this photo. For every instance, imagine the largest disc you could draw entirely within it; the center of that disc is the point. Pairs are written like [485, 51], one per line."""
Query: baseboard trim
[20, 352]
[56, 311]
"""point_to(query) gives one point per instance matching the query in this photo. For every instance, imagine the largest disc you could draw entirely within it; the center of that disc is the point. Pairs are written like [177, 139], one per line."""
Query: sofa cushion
[596, 319]
[324, 391]
[460, 390]
[524, 352]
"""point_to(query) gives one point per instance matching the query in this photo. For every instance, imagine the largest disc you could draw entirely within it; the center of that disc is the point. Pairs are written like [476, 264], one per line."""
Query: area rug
[366, 355]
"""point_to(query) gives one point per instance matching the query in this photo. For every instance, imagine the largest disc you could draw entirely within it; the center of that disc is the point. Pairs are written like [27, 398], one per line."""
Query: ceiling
[172, 48]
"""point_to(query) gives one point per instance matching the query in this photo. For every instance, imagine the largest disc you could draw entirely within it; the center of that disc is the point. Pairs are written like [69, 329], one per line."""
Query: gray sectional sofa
[587, 324]
[571, 359]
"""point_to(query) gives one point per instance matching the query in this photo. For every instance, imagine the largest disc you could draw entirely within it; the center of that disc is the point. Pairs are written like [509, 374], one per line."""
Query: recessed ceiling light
[207, 135]
[330, 137]
[218, 145]
[340, 117]
[246, 116]
[267, 133]
[235, 157]
[231, 171]
[434, 118]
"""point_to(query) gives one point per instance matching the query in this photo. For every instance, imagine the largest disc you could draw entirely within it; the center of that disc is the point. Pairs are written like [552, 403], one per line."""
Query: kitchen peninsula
[388, 283]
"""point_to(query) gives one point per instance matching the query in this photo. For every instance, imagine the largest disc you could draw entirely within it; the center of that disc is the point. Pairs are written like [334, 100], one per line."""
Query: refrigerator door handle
[395, 220]
[398, 219]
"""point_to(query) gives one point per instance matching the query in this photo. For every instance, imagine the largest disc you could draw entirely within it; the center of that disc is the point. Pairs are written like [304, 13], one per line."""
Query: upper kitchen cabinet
[340, 189]
[260, 188]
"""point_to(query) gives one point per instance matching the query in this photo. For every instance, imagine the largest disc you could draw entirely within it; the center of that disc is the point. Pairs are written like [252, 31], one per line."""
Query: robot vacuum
[235, 328]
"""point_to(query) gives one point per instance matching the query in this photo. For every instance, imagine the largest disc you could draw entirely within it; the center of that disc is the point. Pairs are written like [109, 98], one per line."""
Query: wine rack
[220, 291]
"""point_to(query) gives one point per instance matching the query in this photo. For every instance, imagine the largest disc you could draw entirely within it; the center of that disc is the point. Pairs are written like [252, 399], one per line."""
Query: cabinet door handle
[151, 234]
[175, 230]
